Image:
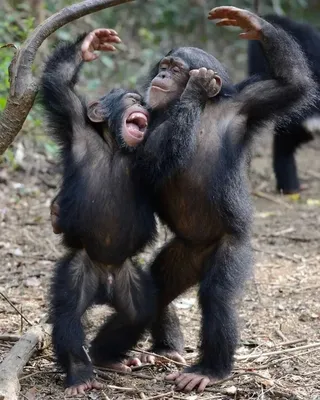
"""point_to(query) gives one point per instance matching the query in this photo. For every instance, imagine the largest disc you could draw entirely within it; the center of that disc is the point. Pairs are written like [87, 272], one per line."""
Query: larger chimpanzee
[104, 211]
[194, 161]
[288, 137]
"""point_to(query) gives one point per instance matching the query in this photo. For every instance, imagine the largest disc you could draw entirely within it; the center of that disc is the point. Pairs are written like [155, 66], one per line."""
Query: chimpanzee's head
[125, 114]
[168, 78]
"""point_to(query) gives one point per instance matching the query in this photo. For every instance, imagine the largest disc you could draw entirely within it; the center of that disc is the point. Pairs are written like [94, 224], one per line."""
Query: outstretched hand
[99, 39]
[233, 16]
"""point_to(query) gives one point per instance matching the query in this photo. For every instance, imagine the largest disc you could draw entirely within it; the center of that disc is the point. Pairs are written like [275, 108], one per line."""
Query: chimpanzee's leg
[167, 335]
[73, 290]
[173, 271]
[134, 298]
[224, 273]
[285, 143]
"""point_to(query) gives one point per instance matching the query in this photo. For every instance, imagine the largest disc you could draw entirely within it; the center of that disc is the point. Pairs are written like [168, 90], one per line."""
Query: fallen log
[11, 367]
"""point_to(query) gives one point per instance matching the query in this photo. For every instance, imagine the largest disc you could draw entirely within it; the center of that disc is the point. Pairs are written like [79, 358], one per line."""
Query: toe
[173, 376]
[203, 384]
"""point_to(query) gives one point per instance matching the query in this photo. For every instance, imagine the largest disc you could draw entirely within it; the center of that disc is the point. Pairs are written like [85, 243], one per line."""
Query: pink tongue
[134, 130]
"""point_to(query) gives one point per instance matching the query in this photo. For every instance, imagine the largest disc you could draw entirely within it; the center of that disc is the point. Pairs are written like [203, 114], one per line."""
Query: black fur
[105, 214]
[290, 135]
[195, 159]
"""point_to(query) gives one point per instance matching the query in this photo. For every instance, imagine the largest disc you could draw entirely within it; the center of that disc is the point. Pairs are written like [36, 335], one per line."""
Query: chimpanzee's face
[125, 114]
[169, 83]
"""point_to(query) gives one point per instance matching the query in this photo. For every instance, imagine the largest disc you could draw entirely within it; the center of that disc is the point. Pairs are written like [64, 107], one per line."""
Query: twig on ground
[274, 353]
[159, 396]
[10, 338]
[122, 389]
[278, 254]
[103, 373]
[291, 342]
[272, 198]
[160, 357]
[281, 335]
[24, 377]
[15, 308]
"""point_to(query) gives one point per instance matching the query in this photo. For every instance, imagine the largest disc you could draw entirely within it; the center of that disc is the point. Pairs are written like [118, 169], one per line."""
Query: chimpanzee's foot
[122, 366]
[171, 354]
[194, 377]
[82, 388]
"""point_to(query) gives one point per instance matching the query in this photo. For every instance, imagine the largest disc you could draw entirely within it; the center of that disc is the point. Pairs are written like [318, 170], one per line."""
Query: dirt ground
[279, 351]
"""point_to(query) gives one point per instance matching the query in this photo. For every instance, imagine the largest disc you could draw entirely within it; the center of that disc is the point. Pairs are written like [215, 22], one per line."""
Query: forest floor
[279, 351]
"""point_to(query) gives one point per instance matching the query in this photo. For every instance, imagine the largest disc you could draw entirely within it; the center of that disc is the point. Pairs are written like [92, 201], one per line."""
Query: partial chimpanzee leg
[115, 338]
[224, 273]
[167, 335]
[174, 270]
[134, 298]
[285, 143]
[73, 290]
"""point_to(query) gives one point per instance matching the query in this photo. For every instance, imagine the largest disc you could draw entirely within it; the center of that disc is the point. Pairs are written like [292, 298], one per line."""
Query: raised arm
[172, 134]
[63, 106]
[292, 88]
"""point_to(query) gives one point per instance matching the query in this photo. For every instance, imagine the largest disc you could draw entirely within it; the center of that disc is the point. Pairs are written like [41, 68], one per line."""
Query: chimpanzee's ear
[94, 112]
[215, 86]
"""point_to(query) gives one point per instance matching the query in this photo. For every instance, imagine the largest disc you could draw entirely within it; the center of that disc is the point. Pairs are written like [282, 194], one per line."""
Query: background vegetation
[149, 28]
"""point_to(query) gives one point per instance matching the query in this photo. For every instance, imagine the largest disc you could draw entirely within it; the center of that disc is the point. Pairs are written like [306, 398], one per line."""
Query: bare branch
[23, 85]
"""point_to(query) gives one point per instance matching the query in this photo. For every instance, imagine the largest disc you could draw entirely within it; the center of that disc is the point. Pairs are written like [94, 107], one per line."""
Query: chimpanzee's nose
[163, 75]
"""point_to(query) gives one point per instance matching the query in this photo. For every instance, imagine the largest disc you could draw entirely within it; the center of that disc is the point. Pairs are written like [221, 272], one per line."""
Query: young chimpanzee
[194, 160]
[289, 137]
[103, 209]
[104, 212]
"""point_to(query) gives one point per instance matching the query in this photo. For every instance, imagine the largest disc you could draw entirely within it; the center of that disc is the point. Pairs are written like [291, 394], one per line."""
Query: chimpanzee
[194, 161]
[288, 137]
[102, 208]
[105, 214]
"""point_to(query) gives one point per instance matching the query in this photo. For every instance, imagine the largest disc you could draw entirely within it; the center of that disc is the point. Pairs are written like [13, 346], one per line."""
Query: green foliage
[148, 30]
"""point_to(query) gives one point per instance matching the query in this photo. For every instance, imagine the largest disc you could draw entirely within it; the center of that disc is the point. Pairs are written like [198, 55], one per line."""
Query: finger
[203, 384]
[187, 380]
[87, 56]
[107, 47]
[105, 32]
[82, 389]
[173, 376]
[194, 72]
[227, 22]
[202, 72]
[110, 39]
[133, 362]
[193, 383]
[251, 35]
[97, 385]
[224, 12]
[151, 359]
[87, 42]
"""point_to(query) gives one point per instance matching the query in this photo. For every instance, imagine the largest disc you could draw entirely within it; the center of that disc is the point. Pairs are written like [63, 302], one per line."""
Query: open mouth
[136, 124]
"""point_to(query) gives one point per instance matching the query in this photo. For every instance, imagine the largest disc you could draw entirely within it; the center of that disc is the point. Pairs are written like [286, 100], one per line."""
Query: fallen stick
[272, 198]
[12, 366]
[275, 353]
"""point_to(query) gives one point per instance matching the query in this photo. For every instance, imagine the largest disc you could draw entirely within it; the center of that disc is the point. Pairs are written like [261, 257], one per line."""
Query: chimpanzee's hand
[204, 80]
[54, 216]
[233, 16]
[99, 39]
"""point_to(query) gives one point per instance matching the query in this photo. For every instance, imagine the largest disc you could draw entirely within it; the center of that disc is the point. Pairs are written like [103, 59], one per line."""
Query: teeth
[136, 115]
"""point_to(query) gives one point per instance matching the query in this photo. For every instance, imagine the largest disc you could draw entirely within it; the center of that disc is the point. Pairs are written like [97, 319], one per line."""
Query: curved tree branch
[23, 85]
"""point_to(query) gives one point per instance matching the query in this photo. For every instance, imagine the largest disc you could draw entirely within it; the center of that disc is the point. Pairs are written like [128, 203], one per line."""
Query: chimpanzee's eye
[163, 67]
[176, 69]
